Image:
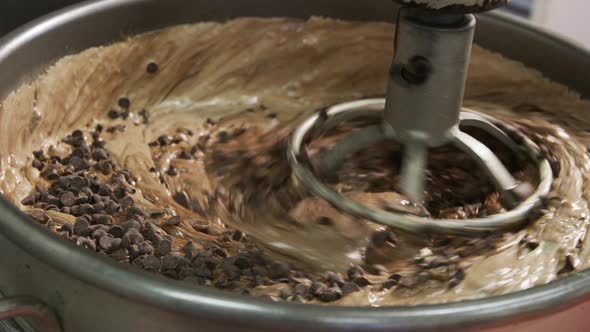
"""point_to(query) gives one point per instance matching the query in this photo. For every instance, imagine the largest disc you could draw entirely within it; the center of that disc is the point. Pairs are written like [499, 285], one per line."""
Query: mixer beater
[422, 110]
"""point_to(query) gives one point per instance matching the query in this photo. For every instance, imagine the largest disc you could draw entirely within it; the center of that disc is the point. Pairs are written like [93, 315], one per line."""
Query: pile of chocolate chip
[89, 201]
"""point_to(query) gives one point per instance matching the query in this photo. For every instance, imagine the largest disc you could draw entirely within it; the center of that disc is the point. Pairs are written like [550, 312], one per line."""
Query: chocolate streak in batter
[243, 73]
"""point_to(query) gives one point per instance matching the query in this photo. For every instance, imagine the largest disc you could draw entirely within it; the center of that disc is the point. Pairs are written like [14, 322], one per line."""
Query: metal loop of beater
[422, 109]
[406, 222]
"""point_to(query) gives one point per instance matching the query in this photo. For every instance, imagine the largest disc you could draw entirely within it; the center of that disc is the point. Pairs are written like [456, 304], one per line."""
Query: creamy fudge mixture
[167, 152]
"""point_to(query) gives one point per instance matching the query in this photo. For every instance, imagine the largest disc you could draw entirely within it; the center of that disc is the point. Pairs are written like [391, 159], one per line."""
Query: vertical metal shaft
[427, 76]
[414, 169]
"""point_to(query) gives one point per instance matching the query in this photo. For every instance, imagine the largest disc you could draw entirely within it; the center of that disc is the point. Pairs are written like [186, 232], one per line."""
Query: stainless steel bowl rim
[108, 275]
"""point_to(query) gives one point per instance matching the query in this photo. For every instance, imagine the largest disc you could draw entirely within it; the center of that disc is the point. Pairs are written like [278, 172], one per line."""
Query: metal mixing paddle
[422, 110]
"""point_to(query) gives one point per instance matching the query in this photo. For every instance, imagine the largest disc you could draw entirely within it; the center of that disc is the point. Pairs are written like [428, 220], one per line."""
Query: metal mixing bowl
[42, 274]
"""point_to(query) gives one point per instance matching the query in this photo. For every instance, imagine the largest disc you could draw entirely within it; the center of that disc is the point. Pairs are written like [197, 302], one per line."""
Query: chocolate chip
[98, 233]
[151, 263]
[325, 221]
[100, 154]
[361, 281]
[86, 208]
[188, 247]
[81, 225]
[125, 114]
[272, 115]
[135, 210]
[29, 200]
[279, 270]
[86, 243]
[103, 219]
[379, 239]
[185, 155]
[331, 294]
[377, 269]
[172, 171]
[152, 68]
[388, 284]
[242, 263]
[285, 293]
[124, 102]
[52, 200]
[164, 247]
[170, 262]
[130, 224]
[182, 198]
[68, 199]
[354, 272]
[116, 231]
[335, 279]
[173, 221]
[127, 202]
[39, 215]
[317, 288]
[131, 238]
[67, 227]
[37, 164]
[237, 236]
[105, 242]
[113, 114]
[112, 207]
[164, 140]
[349, 288]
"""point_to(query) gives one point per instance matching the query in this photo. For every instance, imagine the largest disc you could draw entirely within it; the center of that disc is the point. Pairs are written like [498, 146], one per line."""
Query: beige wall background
[570, 18]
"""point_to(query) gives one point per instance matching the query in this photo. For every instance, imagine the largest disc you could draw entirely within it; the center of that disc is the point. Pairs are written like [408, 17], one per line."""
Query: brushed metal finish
[83, 288]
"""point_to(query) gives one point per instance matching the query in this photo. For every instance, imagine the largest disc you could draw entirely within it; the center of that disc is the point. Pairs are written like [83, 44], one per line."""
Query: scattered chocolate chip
[37, 164]
[173, 221]
[29, 200]
[354, 272]
[113, 114]
[388, 284]
[379, 239]
[317, 288]
[172, 171]
[361, 281]
[568, 266]
[237, 236]
[182, 198]
[152, 68]
[325, 221]
[124, 102]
